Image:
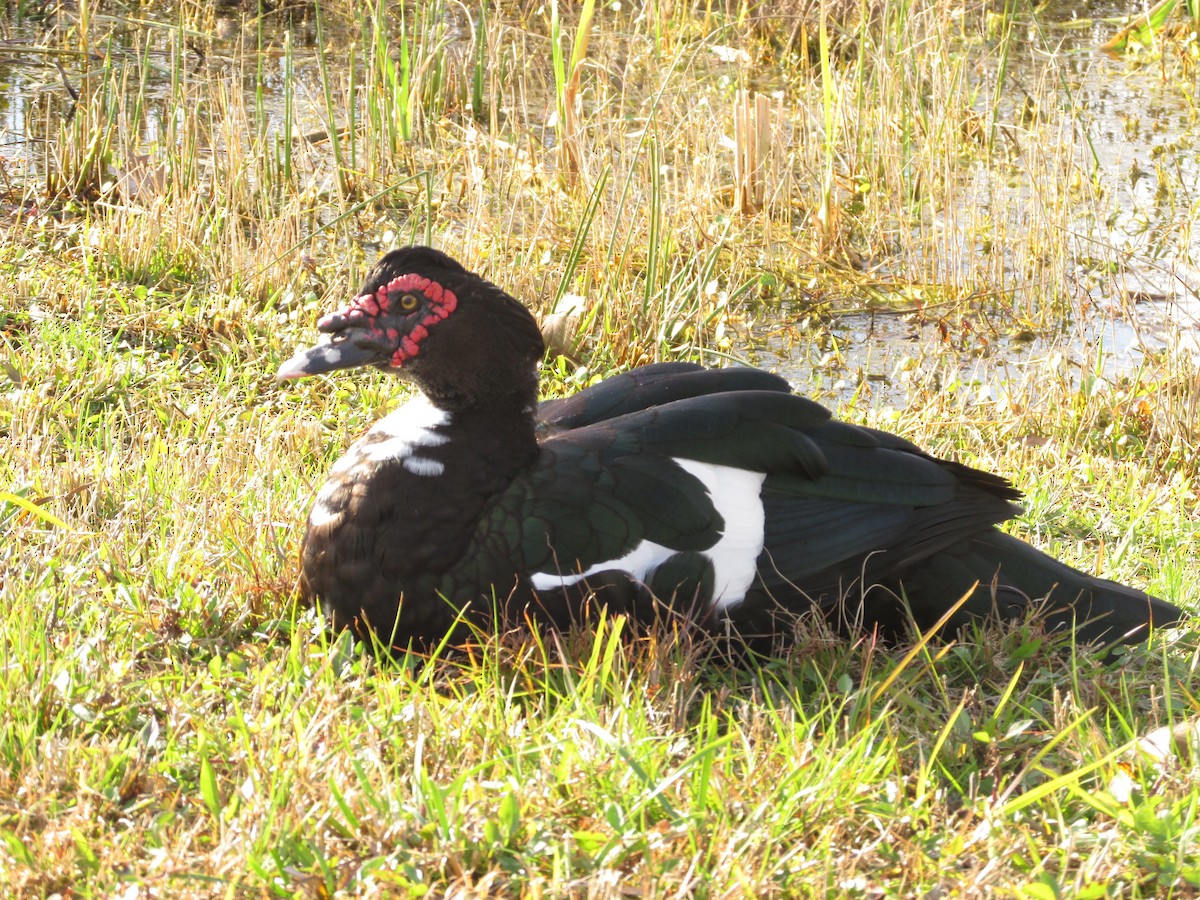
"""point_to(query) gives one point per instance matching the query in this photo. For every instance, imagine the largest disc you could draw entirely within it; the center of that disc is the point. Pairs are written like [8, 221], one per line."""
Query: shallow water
[1143, 135]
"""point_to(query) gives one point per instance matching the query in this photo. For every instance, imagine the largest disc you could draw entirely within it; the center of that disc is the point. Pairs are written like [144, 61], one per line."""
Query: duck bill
[327, 357]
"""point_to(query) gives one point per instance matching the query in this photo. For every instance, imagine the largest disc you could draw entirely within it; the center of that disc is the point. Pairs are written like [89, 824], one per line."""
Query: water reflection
[1137, 127]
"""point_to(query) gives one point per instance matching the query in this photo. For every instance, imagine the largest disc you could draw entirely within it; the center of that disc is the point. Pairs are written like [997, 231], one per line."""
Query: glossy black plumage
[713, 494]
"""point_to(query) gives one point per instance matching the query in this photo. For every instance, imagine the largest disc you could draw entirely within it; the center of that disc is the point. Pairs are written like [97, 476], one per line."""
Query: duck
[715, 498]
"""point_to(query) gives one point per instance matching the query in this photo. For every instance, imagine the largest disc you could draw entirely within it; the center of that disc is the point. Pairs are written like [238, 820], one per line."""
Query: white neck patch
[398, 437]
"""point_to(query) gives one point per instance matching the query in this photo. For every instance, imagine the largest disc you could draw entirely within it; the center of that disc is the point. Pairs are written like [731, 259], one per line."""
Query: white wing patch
[639, 562]
[737, 496]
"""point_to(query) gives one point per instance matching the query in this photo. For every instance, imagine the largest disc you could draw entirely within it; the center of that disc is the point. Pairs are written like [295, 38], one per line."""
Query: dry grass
[173, 726]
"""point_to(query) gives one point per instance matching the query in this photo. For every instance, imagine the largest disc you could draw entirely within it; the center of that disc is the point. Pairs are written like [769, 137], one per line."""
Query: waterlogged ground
[1132, 290]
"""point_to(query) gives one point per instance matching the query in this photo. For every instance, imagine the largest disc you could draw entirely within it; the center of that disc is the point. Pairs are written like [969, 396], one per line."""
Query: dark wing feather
[647, 387]
[577, 522]
[625, 464]
[820, 469]
[847, 508]
[1097, 609]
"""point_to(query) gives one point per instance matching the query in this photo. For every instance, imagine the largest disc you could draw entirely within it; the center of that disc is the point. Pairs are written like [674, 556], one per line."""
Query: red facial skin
[384, 301]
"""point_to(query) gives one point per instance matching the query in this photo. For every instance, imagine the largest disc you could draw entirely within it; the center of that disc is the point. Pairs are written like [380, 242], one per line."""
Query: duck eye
[408, 302]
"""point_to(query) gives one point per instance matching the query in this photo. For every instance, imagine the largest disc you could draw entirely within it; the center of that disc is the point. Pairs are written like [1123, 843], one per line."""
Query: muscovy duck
[716, 495]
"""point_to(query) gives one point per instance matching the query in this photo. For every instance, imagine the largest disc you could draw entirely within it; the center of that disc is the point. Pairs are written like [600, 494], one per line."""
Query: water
[1142, 133]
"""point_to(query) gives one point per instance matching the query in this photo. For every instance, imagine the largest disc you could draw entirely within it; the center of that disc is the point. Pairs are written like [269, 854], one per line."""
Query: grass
[172, 723]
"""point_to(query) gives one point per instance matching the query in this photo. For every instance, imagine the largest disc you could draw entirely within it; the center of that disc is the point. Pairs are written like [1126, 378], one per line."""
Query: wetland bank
[966, 226]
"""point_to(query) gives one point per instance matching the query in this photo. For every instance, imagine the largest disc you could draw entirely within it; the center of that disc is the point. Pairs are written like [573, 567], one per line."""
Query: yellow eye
[409, 302]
